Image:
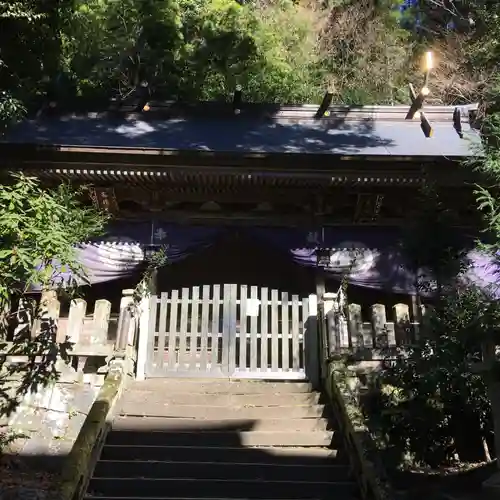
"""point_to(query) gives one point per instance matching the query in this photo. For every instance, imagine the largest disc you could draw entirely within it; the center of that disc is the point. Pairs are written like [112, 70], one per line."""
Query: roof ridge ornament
[323, 109]
[417, 100]
[457, 122]
[237, 99]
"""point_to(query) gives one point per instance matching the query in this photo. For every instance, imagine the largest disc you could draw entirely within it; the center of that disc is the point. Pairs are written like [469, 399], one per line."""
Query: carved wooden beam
[368, 207]
[104, 199]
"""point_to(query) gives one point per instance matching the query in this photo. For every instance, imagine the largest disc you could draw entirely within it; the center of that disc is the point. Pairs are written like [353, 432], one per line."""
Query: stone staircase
[189, 439]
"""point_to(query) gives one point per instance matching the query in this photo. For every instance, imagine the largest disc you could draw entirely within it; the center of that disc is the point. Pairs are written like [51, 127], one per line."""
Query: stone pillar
[402, 324]
[379, 320]
[77, 312]
[102, 312]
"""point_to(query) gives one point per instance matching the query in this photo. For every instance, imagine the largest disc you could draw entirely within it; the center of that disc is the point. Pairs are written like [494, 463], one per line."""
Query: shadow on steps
[221, 441]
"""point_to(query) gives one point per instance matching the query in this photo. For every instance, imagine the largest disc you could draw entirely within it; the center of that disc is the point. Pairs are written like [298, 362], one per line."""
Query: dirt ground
[453, 483]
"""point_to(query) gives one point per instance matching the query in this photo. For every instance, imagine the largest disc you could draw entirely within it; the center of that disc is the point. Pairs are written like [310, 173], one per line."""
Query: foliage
[432, 241]
[193, 49]
[366, 52]
[468, 56]
[278, 50]
[11, 110]
[153, 263]
[488, 164]
[39, 231]
[8, 437]
[430, 407]
[13, 17]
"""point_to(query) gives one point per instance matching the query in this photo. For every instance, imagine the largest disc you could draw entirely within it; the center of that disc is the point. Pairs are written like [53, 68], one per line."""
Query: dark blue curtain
[366, 256]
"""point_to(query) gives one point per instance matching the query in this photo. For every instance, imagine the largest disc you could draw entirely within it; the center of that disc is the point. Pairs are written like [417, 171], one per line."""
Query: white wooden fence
[229, 330]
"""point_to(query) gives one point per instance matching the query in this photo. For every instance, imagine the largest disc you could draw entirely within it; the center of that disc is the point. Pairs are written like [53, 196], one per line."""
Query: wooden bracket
[237, 99]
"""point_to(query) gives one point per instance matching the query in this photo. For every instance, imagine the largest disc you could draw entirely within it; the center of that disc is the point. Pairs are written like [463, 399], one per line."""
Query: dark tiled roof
[370, 131]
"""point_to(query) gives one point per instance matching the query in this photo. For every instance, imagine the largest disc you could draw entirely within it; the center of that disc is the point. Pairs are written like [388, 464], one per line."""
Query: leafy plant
[39, 232]
[431, 407]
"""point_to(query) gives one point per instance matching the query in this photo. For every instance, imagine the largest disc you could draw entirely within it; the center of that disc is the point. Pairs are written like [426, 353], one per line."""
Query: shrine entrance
[259, 324]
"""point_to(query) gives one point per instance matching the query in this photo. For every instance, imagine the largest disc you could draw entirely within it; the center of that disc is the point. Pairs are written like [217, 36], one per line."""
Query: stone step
[138, 398]
[265, 455]
[220, 488]
[205, 425]
[222, 439]
[213, 412]
[190, 386]
[222, 470]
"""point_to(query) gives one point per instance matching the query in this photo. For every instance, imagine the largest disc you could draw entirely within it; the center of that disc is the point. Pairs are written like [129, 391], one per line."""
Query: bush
[429, 407]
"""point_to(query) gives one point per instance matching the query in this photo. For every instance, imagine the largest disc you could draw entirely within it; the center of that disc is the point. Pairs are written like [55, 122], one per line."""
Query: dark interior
[238, 259]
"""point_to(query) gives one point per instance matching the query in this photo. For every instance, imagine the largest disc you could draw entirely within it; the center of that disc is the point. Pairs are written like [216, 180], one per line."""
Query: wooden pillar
[48, 316]
[322, 344]
[401, 317]
[153, 283]
[332, 334]
[320, 284]
[144, 332]
[312, 360]
[416, 314]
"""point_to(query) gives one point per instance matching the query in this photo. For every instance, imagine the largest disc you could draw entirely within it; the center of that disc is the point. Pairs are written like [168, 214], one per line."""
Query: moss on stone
[352, 423]
[80, 459]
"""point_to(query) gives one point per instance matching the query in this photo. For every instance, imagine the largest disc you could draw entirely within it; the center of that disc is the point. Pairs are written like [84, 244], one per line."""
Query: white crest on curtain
[353, 257]
[111, 258]
[119, 252]
[160, 234]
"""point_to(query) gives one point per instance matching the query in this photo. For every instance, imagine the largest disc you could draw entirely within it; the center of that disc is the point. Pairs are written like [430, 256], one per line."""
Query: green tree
[194, 50]
[39, 231]
[14, 16]
[433, 406]
[487, 163]
[369, 58]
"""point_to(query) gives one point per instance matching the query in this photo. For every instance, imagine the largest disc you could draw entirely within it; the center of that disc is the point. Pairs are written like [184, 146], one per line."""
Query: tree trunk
[493, 384]
[486, 449]
[5, 306]
[494, 394]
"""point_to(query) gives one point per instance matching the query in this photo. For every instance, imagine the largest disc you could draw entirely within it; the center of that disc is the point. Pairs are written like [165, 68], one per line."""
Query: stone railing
[349, 331]
[344, 334]
[363, 454]
[89, 340]
[59, 375]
